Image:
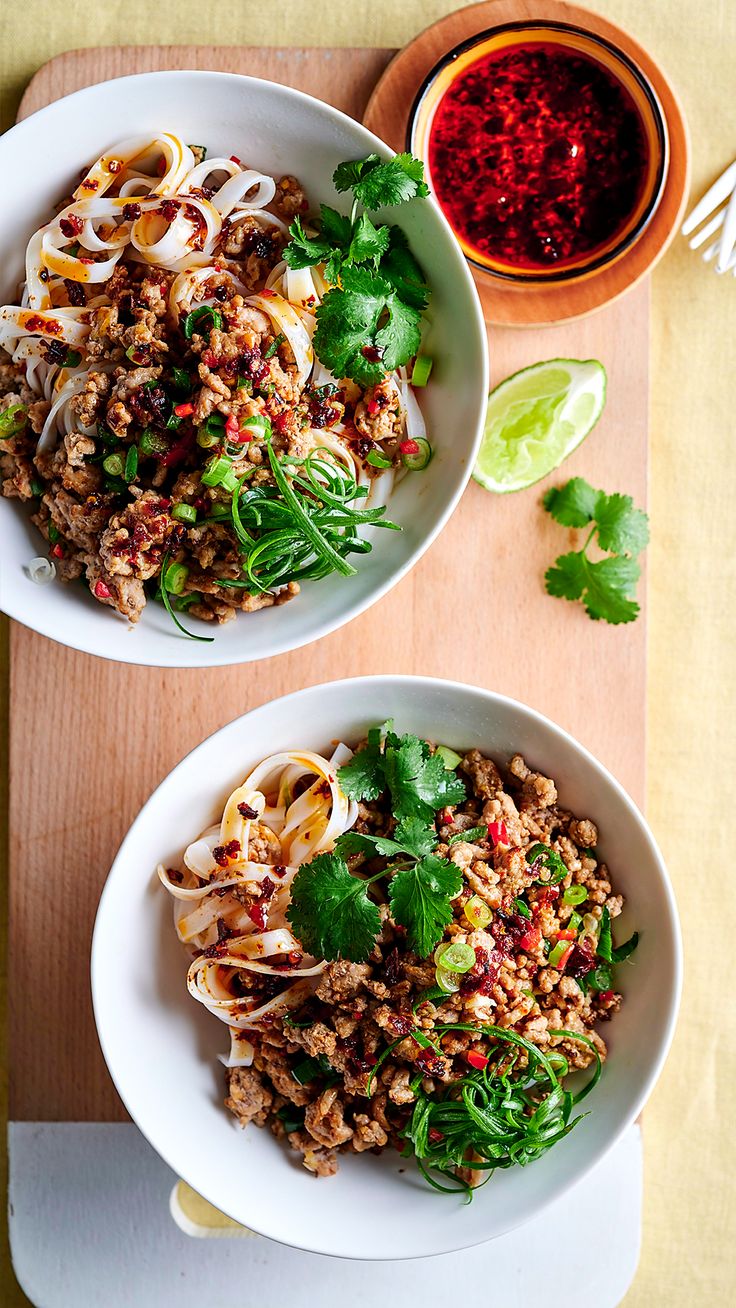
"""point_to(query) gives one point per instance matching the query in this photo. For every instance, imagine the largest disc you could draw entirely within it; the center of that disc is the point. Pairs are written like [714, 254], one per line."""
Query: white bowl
[281, 131]
[161, 1047]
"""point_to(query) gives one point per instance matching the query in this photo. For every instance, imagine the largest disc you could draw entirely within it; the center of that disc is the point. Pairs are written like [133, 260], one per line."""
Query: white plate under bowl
[279, 131]
[161, 1047]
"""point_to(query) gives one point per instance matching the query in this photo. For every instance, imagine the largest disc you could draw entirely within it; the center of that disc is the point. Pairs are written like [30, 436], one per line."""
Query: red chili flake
[208, 358]
[372, 406]
[279, 870]
[114, 166]
[246, 811]
[530, 939]
[258, 914]
[497, 833]
[446, 816]
[234, 159]
[567, 934]
[409, 447]
[90, 184]
[564, 958]
[357, 1016]
[476, 1059]
[169, 210]
[222, 854]
[232, 426]
[132, 211]
[71, 225]
[372, 353]
[161, 166]
[581, 961]
[40, 326]
[57, 551]
[607, 996]
[184, 410]
[434, 1135]
[83, 259]
[402, 1023]
[546, 896]
[102, 591]
[429, 1063]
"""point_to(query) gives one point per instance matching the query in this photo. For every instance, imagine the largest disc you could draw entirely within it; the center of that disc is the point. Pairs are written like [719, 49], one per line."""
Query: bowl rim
[359, 687]
[106, 646]
[582, 270]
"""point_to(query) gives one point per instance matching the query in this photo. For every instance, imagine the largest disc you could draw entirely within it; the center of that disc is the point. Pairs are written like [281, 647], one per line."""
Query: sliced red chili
[476, 1059]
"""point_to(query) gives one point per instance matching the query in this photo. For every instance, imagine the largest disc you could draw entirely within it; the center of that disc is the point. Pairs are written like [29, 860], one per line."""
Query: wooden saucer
[529, 305]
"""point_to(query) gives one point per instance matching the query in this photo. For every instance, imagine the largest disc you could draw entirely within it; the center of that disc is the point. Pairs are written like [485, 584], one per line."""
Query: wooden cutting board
[91, 739]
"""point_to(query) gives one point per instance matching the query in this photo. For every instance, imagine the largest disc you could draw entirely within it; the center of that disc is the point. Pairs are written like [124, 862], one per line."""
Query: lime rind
[535, 419]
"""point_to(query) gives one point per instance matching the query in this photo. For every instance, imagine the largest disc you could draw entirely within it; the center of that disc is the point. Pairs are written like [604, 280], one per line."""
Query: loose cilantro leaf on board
[331, 912]
[606, 586]
[420, 898]
[368, 323]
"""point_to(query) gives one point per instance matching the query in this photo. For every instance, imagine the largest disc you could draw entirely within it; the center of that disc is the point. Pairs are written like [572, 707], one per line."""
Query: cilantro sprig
[331, 910]
[605, 586]
[368, 323]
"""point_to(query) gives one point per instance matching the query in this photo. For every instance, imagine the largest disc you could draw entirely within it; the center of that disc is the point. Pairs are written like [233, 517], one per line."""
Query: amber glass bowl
[635, 93]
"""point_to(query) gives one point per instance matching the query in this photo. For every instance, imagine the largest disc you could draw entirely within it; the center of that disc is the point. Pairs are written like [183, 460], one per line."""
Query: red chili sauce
[537, 156]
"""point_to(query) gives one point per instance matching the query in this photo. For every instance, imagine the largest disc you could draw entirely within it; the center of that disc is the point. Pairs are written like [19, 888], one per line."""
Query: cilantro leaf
[411, 836]
[606, 586]
[368, 241]
[303, 251]
[420, 898]
[335, 227]
[622, 529]
[330, 911]
[393, 182]
[347, 175]
[365, 314]
[566, 579]
[362, 777]
[573, 505]
[401, 269]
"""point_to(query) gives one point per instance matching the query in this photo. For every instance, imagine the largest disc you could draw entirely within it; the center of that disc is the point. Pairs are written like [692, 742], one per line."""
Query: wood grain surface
[388, 112]
[91, 739]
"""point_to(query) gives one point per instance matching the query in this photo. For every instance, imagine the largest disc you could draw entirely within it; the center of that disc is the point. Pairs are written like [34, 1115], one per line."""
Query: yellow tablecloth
[688, 1256]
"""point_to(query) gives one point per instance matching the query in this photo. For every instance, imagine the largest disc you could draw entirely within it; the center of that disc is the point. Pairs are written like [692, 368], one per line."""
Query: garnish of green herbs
[368, 323]
[331, 909]
[544, 859]
[165, 597]
[302, 528]
[497, 1117]
[605, 586]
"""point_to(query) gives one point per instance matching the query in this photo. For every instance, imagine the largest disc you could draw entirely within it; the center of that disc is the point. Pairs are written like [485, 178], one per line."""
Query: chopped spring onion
[260, 426]
[195, 320]
[165, 598]
[377, 460]
[54, 533]
[37, 487]
[550, 861]
[217, 471]
[131, 463]
[450, 759]
[455, 957]
[471, 835]
[522, 907]
[113, 465]
[12, 420]
[174, 576]
[42, 571]
[574, 922]
[184, 513]
[152, 443]
[421, 370]
[557, 954]
[244, 384]
[136, 355]
[419, 460]
[73, 359]
[206, 439]
[477, 912]
[448, 982]
[273, 347]
[574, 895]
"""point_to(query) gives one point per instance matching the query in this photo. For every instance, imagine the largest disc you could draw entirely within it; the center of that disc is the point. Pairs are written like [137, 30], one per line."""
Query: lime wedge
[535, 419]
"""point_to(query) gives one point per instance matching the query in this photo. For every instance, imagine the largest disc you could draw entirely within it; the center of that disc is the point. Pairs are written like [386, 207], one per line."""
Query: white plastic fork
[718, 206]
